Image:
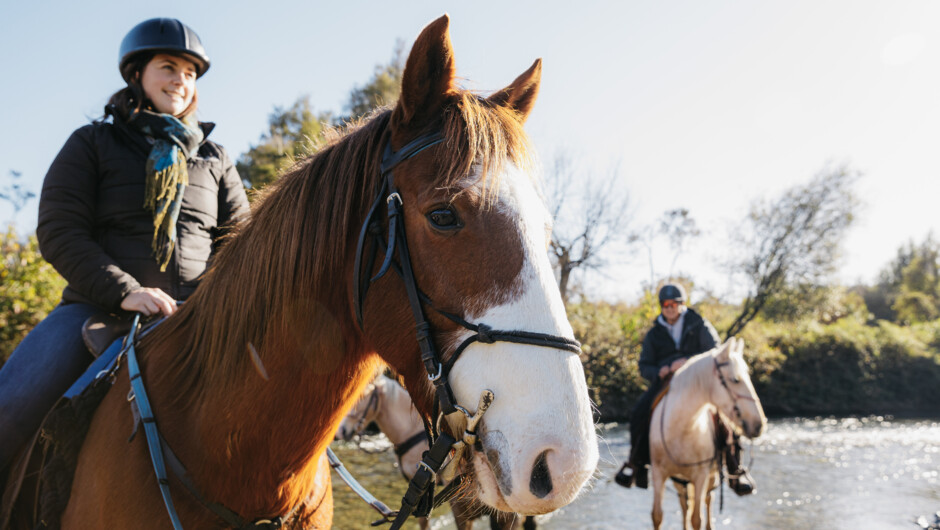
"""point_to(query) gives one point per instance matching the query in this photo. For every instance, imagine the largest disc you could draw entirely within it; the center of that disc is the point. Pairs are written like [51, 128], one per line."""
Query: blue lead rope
[140, 402]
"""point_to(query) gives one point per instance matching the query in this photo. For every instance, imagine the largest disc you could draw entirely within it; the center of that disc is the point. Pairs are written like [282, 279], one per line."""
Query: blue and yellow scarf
[174, 142]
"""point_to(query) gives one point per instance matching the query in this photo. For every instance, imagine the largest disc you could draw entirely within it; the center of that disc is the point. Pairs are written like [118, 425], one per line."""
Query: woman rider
[128, 215]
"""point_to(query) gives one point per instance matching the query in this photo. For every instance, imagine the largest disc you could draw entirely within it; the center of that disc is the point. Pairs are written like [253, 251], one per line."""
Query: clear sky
[702, 105]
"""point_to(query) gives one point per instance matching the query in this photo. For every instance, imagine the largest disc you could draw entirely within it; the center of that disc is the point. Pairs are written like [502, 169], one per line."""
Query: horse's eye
[444, 219]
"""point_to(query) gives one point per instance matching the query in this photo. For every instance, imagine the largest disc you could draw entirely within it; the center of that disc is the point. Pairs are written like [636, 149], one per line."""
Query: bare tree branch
[589, 215]
[795, 239]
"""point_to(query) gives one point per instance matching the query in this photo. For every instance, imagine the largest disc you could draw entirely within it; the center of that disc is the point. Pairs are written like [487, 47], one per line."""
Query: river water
[866, 473]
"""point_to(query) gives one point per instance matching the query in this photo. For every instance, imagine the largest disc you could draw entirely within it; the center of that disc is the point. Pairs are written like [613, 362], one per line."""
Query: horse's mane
[695, 374]
[287, 265]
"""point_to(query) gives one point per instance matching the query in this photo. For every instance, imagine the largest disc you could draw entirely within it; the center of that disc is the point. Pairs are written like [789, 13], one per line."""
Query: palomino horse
[683, 429]
[387, 404]
[249, 380]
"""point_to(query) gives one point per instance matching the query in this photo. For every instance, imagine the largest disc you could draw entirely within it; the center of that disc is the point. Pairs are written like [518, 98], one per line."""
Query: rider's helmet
[671, 291]
[162, 35]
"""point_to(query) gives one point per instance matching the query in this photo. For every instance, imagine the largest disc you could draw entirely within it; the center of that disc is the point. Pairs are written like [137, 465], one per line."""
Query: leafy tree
[908, 289]
[678, 226]
[587, 222]
[297, 131]
[794, 240]
[29, 289]
[293, 133]
[383, 89]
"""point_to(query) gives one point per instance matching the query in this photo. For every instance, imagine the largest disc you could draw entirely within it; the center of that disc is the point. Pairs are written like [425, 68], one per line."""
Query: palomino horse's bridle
[419, 499]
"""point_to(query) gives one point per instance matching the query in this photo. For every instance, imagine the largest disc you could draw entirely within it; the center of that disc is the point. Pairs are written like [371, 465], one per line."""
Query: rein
[419, 499]
[161, 454]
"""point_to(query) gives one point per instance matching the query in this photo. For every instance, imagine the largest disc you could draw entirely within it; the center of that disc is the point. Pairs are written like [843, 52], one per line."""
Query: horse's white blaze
[541, 399]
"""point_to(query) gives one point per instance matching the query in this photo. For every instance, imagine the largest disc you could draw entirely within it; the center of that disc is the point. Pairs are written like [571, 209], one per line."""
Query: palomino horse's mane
[283, 272]
[695, 374]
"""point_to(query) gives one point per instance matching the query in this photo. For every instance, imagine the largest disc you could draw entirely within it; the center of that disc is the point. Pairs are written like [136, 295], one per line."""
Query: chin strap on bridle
[419, 499]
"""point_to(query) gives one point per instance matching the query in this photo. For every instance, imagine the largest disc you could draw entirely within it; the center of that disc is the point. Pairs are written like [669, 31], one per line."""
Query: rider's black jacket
[698, 335]
[94, 229]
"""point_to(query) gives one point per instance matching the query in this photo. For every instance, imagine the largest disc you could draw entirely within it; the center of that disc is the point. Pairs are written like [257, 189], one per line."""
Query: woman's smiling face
[169, 81]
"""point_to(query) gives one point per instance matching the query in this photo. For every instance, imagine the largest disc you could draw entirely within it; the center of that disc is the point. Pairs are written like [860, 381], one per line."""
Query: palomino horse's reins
[419, 499]
[716, 457]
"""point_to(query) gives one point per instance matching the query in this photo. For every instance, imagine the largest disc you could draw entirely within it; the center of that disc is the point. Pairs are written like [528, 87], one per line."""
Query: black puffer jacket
[698, 335]
[94, 229]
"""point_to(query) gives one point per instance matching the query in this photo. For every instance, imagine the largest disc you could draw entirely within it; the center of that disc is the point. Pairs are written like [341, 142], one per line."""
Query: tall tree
[293, 132]
[590, 216]
[908, 289]
[382, 89]
[676, 225]
[297, 131]
[793, 240]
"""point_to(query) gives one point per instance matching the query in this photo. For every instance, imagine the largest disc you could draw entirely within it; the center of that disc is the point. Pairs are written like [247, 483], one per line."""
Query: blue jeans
[38, 372]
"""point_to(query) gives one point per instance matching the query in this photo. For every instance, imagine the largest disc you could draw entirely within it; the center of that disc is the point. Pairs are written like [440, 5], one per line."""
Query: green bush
[831, 361]
[29, 289]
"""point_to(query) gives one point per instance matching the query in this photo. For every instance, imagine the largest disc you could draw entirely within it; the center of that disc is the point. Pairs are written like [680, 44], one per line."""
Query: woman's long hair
[132, 98]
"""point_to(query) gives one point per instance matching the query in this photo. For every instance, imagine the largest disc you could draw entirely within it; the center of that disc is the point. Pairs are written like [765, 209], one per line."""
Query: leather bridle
[419, 499]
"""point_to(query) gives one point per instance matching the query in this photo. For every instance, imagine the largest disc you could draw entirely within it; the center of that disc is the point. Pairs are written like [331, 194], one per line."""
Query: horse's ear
[520, 95]
[428, 78]
[724, 351]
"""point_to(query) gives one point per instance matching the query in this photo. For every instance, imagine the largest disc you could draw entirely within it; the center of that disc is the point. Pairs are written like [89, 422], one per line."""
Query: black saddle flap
[102, 329]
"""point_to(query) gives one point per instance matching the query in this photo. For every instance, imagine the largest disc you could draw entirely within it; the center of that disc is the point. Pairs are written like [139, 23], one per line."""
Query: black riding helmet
[671, 291]
[163, 35]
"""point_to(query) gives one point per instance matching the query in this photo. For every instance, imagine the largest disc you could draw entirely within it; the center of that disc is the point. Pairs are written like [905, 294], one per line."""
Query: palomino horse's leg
[699, 489]
[659, 486]
[712, 484]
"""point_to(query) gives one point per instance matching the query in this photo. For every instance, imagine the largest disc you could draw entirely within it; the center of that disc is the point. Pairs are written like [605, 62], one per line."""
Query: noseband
[419, 498]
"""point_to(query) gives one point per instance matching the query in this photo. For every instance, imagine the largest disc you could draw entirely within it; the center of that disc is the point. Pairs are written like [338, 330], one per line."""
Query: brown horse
[251, 377]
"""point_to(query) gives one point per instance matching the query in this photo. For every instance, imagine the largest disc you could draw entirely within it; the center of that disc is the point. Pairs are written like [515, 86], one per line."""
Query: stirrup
[624, 479]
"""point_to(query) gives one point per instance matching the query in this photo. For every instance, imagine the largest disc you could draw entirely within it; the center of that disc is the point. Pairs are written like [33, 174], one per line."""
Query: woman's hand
[674, 367]
[149, 301]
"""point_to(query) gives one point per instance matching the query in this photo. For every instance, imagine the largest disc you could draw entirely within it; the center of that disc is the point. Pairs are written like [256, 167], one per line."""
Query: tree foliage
[382, 89]
[297, 131]
[29, 289]
[293, 133]
[678, 227]
[794, 240]
[908, 289]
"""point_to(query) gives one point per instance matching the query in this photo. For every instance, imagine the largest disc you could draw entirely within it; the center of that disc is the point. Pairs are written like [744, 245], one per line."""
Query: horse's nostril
[541, 482]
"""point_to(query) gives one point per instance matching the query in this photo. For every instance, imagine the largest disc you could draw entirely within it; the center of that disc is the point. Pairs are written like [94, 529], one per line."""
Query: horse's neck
[397, 417]
[266, 432]
[689, 394]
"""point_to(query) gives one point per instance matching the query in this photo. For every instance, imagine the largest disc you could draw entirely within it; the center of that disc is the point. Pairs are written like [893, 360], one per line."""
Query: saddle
[101, 330]
[40, 477]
